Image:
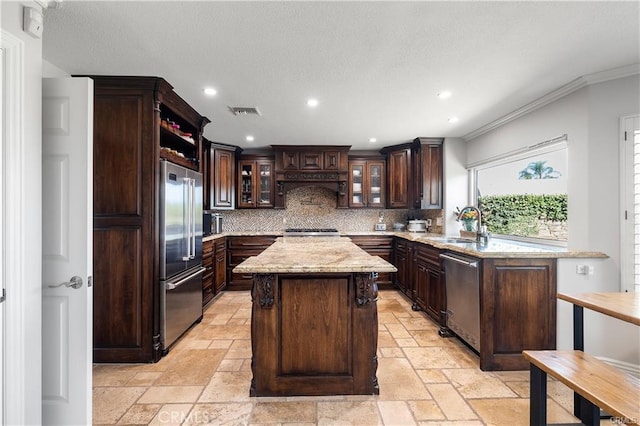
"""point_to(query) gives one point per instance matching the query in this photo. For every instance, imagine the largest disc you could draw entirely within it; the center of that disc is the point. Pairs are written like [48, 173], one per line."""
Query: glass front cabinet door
[255, 183]
[366, 183]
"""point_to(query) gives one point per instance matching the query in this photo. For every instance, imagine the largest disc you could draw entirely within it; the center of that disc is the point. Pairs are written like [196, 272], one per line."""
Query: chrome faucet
[481, 234]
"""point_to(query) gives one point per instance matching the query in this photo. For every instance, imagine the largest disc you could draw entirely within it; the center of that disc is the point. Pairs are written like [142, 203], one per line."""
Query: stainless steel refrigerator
[180, 250]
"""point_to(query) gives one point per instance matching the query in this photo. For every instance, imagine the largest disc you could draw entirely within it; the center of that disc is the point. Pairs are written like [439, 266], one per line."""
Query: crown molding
[553, 96]
[49, 4]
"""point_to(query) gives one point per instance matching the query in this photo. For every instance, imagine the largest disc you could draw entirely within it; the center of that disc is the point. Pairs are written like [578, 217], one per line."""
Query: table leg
[537, 397]
[582, 409]
[578, 328]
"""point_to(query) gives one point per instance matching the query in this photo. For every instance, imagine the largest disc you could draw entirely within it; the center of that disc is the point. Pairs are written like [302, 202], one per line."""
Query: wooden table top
[623, 306]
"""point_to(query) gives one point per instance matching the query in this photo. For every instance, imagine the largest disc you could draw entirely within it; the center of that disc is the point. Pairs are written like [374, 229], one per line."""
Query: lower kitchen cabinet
[429, 287]
[378, 245]
[240, 248]
[220, 264]
[517, 302]
[404, 263]
[208, 289]
[517, 311]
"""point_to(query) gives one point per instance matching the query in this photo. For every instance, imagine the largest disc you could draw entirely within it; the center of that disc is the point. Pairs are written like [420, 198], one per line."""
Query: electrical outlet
[584, 269]
[438, 221]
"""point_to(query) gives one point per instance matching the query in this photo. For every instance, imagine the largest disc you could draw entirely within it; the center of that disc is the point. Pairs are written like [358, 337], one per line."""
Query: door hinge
[625, 135]
[3, 296]
[625, 215]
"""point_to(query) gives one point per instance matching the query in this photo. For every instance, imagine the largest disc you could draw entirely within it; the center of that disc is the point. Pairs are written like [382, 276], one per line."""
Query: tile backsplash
[315, 207]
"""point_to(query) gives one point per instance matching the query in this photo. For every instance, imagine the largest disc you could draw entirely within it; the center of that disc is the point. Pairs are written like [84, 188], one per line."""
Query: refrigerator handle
[193, 218]
[186, 197]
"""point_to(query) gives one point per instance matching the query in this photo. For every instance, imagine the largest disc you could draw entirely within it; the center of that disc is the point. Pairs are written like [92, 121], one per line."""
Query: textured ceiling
[375, 67]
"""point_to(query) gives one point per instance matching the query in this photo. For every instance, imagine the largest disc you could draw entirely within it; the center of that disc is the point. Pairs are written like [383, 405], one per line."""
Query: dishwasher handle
[470, 264]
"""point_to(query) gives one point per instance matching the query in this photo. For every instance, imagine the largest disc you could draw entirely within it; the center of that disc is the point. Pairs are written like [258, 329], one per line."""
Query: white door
[67, 229]
[2, 243]
[630, 203]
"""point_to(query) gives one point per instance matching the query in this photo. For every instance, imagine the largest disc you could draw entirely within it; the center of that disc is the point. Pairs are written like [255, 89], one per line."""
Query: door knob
[74, 282]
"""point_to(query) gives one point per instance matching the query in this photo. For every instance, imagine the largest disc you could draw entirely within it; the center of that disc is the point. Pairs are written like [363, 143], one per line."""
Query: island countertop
[313, 254]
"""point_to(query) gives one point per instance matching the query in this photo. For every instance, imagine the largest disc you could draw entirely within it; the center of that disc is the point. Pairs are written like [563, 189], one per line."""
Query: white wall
[455, 182]
[51, 71]
[590, 118]
[23, 304]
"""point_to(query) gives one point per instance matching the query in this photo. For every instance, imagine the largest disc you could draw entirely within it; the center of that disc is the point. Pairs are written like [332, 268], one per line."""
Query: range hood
[310, 165]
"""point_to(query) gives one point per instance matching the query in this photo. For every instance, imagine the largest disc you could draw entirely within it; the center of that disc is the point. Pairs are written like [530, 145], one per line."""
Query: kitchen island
[314, 320]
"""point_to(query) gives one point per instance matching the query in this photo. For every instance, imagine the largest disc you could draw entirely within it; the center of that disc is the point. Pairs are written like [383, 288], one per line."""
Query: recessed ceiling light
[210, 91]
[453, 119]
[373, 140]
[312, 103]
[250, 138]
[445, 94]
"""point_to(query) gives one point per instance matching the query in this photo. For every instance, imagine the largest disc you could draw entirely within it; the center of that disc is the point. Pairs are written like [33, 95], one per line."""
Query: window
[523, 194]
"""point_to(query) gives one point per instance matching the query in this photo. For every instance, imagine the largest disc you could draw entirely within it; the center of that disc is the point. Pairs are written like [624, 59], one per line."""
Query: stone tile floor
[424, 380]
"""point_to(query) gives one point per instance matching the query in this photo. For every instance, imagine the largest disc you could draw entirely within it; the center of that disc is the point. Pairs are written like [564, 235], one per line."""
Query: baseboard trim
[628, 367]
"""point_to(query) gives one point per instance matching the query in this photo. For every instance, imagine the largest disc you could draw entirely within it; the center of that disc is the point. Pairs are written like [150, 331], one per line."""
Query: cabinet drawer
[207, 248]
[261, 242]
[220, 245]
[207, 295]
[372, 241]
[428, 253]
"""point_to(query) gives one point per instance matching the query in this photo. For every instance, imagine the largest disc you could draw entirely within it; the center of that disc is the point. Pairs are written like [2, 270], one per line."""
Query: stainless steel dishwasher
[462, 281]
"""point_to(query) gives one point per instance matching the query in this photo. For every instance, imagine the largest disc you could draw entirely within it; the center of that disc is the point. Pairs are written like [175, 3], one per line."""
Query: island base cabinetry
[314, 334]
[517, 311]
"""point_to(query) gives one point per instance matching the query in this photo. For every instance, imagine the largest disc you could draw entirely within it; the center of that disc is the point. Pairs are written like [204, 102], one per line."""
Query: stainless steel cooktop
[311, 232]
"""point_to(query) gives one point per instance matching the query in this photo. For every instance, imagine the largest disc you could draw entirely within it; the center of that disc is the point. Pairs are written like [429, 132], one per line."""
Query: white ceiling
[375, 67]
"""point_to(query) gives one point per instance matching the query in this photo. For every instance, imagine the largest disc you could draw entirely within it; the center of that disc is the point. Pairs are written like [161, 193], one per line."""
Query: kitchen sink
[453, 240]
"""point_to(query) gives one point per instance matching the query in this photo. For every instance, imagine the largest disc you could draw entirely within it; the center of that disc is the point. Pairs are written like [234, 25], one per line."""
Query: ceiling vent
[244, 111]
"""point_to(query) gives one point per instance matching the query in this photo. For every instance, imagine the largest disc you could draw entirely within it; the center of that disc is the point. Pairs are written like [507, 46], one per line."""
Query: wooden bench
[603, 386]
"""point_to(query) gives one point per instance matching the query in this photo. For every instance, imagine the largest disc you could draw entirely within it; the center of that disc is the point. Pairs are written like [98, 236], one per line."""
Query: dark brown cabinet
[255, 182]
[214, 260]
[220, 176]
[378, 245]
[414, 174]
[517, 311]
[240, 248]
[429, 174]
[429, 287]
[130, 138]
[403, 252]
[399, 177]
[367, 182]
[208, 289]
[220, 265]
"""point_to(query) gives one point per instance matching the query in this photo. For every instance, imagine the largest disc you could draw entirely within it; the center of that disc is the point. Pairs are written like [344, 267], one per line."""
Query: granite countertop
[313, 254]
[497, 248]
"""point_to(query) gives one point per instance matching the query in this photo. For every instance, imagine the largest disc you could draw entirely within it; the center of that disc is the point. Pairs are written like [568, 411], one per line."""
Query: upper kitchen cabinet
[400, 176]
[137, 121]
[311, 165]
[366, 182]
[220, 175]
[255, 182]
[414, 174]
[429, 153]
